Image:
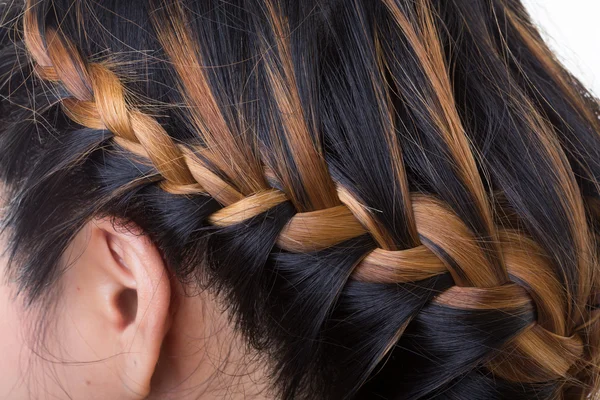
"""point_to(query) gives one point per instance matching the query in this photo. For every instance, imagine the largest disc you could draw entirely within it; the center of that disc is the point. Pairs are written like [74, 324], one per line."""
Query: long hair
[396, 199]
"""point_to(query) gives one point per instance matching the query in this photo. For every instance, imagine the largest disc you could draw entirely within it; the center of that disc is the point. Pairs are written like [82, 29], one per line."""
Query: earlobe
[133, 292]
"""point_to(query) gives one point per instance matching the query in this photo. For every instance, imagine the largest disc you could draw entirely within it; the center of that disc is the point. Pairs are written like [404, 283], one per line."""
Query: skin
[121, 328]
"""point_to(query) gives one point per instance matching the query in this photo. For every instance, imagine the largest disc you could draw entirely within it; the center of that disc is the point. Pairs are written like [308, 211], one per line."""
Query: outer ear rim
[123, 273]
[140, 267]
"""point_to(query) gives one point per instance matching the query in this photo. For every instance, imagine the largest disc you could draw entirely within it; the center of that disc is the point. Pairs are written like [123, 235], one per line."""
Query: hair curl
[398, 199]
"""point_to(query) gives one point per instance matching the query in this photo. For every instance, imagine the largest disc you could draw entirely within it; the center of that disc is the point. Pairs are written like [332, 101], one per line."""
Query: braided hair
[396, 199]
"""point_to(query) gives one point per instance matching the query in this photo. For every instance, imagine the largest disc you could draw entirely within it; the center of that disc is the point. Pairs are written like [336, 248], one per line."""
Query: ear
[119, 295]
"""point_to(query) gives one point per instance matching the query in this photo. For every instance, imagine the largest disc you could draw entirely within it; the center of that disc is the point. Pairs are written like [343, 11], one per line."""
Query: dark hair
[397, 199]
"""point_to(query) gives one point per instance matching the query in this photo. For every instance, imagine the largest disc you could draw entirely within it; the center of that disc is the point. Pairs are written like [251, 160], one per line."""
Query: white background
[572, 30]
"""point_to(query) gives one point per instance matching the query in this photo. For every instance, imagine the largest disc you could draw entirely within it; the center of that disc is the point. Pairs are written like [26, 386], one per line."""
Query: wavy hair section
[397, 199]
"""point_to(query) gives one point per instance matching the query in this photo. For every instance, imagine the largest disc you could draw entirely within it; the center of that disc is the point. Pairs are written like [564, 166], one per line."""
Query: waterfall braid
[396, 199]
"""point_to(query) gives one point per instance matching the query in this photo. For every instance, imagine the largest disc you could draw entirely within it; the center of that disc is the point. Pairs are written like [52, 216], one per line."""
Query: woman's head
[315, 199]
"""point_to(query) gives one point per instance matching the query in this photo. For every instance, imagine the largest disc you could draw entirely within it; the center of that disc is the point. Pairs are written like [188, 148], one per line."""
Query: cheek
[76, 356]
[14, 351]
[85, 372]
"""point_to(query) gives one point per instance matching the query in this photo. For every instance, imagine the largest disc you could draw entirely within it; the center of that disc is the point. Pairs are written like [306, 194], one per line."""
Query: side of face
[105, 332]
[15, 354]
[120, 327]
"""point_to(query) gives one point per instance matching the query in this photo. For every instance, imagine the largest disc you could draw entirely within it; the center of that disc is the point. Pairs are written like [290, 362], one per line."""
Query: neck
[203, 357]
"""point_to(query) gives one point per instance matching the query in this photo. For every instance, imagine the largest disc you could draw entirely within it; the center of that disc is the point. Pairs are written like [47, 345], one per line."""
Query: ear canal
[127, 304]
